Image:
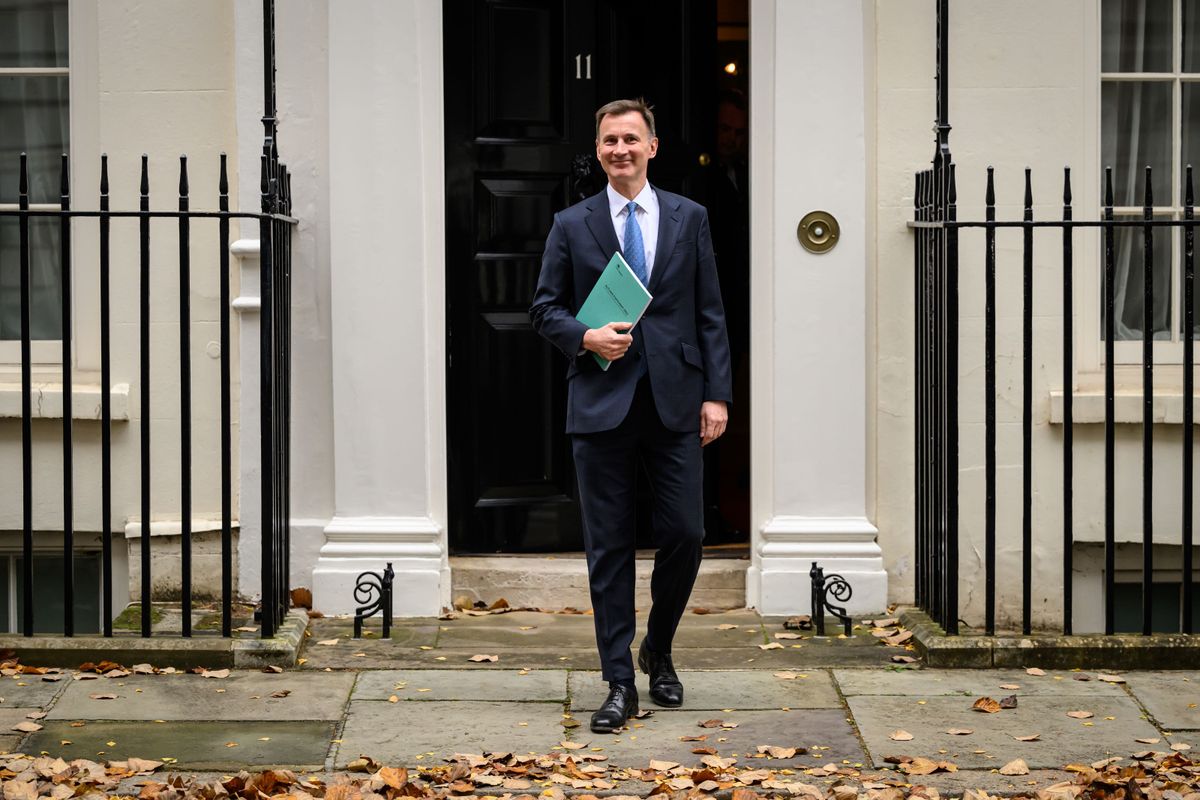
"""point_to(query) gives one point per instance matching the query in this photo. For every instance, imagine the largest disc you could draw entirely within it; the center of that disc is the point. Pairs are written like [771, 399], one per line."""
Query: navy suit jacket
[681, 337]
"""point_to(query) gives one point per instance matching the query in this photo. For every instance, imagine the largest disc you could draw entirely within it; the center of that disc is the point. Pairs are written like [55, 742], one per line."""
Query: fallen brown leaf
[986, 705]
[481, 657]
[959, 731]
[1015, 767]
[1035, 671]
[1033, 737]
[1080, 714]
[900, 736]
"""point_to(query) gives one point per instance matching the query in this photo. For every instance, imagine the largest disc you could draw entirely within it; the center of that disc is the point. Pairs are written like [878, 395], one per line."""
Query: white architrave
[387, 243]
[808, 151]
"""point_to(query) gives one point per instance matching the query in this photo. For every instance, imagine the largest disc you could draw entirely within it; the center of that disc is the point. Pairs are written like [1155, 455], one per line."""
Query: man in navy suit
[662, 399]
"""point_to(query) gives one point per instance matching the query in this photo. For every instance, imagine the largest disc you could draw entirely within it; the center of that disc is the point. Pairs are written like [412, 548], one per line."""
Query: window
[48, 592]
[34, 112]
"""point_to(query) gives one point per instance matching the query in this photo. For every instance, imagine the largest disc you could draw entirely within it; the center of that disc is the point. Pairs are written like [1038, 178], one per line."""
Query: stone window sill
[1087, 407]
[48, 401]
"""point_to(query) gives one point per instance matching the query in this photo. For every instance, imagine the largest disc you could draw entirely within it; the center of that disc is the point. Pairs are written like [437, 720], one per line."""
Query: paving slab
[658, 737]
[30, 691]
[397, 733]
[11, 716]
[973, 683]
[1172, 698]
[241, 696]
[518, 629]
[548, 657]
[1064, 740]
[724, 689]
[195, 745]
[495, 685]
[9, 743]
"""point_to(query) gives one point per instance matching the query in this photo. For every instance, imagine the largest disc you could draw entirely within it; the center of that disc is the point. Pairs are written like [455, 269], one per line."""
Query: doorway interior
[522, 81]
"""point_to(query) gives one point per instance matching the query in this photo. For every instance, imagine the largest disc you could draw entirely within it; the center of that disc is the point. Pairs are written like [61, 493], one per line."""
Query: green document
[617, 297]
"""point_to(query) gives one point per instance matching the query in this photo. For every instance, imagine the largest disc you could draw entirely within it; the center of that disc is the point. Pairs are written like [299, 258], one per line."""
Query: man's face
[625, 147]
[732, 127]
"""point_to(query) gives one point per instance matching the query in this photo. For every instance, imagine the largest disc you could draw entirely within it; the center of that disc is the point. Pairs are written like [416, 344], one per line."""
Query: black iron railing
[275, 231]
[936, 298]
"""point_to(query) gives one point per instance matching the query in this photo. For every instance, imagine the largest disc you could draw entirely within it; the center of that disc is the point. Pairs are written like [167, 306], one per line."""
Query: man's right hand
[609, 342]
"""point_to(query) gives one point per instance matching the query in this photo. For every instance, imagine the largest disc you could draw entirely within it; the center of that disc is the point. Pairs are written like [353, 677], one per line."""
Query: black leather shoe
[665, 688]
[617, 708]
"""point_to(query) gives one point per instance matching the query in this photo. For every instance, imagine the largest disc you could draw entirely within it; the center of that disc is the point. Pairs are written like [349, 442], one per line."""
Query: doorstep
[560, 581]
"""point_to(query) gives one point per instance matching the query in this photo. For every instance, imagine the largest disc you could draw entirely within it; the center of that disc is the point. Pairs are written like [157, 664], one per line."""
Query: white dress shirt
[647, 219]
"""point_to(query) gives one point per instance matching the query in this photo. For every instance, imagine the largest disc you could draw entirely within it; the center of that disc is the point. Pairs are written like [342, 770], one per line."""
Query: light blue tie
[635, 250]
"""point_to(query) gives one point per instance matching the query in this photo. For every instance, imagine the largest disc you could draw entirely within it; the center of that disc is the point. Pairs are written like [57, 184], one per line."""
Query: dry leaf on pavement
[771, 646]
[482, 657]
[1015, 767]
[1110, 678]
[900, 736]
[328, 642]
[1035, 672]
[960, 731]
[1080, 714]
[99, 696]
[1008, 702]
[1033, 737]
[986, 705]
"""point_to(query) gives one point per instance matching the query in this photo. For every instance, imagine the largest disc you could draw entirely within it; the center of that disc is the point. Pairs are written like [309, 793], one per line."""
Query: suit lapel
[668, 234]
[599, 222]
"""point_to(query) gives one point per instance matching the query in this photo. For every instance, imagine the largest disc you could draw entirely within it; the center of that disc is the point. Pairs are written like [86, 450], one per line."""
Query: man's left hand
[713, 417]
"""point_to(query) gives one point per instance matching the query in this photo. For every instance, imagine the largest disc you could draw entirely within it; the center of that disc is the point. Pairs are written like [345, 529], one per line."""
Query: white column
[387, 272]
[809, 151]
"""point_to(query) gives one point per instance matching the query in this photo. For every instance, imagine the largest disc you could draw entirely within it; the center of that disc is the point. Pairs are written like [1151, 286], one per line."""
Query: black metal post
[1189, 321]
[144, 248]
[1068, 377]
[67, 444]
[1027, 414]
[26, 407]
[1148, 411]
[951, 234]
[1109, 419]
[105, 401]
[989, 446]
[226, 416]
[185, 399]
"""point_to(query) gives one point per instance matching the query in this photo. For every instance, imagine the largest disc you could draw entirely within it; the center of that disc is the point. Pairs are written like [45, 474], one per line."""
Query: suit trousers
[606, 466]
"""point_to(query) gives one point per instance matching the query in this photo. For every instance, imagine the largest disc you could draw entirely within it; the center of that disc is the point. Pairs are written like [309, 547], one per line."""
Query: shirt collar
[646, 199]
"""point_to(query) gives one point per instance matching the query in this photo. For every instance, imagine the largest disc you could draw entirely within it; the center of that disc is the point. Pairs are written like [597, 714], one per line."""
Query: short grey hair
[618, 107]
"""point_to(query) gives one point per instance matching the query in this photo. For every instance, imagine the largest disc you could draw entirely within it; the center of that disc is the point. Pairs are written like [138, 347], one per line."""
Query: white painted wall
[1024, 80]
[119, 105]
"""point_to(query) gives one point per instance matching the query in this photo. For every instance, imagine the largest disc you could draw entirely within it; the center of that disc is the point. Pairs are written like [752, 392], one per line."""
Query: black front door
[523, 79]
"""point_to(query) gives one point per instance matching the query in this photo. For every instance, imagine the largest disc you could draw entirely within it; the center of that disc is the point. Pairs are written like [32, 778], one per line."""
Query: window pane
[1136, 133]
[45, 279]
[1191, 35]
[33, 33]
[34, 120]
[1136, 36]
[1128, 283]
[48, 575]
[1191, 138]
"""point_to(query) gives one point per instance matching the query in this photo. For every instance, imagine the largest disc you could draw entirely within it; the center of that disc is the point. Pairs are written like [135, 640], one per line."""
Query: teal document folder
[617, 297]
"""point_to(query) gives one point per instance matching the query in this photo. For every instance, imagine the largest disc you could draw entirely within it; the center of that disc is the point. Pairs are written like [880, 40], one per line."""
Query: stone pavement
[418, 698]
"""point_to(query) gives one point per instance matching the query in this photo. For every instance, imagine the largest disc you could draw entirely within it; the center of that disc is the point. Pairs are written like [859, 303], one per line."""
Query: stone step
[560, 581]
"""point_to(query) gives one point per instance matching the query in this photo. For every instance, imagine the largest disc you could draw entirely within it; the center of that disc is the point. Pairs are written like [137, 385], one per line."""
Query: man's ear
[653, 146]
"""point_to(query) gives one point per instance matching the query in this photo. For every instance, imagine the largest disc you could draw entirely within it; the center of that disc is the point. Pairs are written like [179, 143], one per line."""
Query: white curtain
[1137, 133]
[34, 120]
